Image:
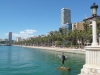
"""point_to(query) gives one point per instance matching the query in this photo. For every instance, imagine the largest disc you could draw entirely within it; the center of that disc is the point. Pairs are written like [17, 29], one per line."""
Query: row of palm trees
[63, 37]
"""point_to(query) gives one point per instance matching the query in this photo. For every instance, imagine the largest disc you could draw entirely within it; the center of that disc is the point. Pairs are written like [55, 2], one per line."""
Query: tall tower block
[10, 37]
[65, 16]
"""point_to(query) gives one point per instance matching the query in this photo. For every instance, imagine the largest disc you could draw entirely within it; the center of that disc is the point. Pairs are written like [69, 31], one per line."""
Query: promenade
[70, 50]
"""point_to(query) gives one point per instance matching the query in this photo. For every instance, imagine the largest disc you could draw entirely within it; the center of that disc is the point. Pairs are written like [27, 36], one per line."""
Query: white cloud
[24, 34]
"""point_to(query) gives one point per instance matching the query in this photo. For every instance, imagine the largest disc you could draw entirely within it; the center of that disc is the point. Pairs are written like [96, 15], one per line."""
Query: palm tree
[61, 30]
[86, 25]
[98, 26]
[80, 35]
[71, 36]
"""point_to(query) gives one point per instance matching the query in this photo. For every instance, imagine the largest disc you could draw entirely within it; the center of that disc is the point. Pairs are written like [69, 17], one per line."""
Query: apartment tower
[10, 37]
[66, 18]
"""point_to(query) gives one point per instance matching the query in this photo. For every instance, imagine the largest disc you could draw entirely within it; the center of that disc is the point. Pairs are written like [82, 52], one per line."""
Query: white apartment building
[18, 39]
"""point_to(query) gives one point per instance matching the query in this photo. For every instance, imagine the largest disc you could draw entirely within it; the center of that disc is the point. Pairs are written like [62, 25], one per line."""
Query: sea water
[30, 61]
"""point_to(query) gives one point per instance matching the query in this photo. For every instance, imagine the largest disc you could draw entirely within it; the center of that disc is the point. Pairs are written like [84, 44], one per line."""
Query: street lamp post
[94, 8]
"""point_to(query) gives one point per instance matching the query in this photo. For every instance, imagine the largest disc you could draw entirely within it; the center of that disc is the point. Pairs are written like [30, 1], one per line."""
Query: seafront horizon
[58, 49]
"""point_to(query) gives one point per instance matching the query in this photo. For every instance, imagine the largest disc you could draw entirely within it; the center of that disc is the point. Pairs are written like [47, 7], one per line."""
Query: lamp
[94, 8]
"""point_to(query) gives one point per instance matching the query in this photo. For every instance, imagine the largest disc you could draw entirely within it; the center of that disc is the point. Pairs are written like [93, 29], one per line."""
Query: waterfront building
[18, 39]
[78, 26]
[6, 40]
[10, 37]
[65, 16]
[1, 39]
[66, 19]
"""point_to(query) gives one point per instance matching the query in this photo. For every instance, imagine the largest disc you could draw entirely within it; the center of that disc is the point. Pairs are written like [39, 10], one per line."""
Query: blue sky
[34, 17]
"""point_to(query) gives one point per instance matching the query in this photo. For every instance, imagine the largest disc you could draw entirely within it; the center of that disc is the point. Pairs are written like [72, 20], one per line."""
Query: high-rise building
[10, 37]
[65, 16]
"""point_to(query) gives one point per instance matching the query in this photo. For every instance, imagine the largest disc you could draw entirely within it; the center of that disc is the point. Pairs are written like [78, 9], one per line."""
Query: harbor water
[29, 61]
